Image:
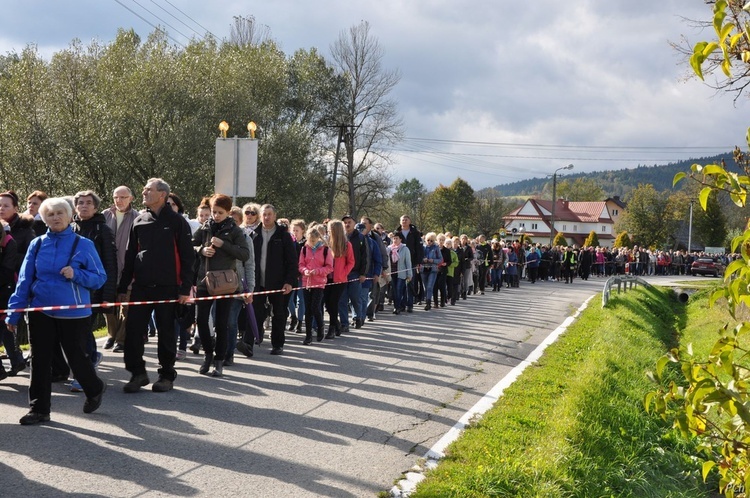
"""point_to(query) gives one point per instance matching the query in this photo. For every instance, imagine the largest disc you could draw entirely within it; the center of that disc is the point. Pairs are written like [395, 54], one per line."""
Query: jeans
[313, 298]
[350, 294]
[429, 284]
[297, 299]
[398, 286]
[364, 301]
[235, 308]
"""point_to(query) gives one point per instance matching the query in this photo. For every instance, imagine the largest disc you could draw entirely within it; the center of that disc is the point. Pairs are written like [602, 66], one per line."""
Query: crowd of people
[220, 283]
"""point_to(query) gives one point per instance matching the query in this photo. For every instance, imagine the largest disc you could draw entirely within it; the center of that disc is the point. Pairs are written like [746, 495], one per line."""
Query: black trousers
[221, 322]
[279, 307]
[45, 333]
[137, 326]
[332, 295]
[313, 308]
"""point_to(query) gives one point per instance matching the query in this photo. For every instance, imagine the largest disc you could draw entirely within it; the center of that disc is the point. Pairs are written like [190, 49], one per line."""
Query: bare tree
[370, 121]
[246, 32]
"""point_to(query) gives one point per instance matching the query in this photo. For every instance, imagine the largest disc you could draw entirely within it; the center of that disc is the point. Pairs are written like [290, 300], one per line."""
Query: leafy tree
[710, 225]
[489, 210]
[450, 207]
[622, 240]
[649, 218]
[710, 403]
[560, 240]
[580, 189]
[370, 118]
[592, 240]
[411, 195]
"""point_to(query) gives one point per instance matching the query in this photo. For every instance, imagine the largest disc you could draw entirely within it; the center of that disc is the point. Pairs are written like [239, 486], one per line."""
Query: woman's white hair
[54, 203]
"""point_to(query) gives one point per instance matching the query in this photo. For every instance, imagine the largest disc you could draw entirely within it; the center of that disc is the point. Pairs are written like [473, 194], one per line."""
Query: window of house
[534, 226]
[604, 228]
[565, 227]
[575, 228]
[614, 212]
[523, 225]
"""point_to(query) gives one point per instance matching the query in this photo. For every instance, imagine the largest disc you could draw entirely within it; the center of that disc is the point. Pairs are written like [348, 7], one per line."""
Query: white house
[575, 220]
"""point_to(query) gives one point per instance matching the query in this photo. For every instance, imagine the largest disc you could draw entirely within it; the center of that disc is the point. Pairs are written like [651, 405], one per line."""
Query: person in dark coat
[276, 269]
[159, 267]
[412, 238]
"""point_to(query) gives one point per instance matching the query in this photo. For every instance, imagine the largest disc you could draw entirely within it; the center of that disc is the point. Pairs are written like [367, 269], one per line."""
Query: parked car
[707, 266]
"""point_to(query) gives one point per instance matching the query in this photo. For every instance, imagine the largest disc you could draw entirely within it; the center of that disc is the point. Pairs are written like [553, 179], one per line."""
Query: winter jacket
[433, 256]
[246, 269]
[160, 252]
[413, 240]
[235, 247]
[41, 284]
[360, 248]
[318, 261]
[402, 268]
[281, 259]
[21, 228]
[96, 230]
[342, 265]
[8, 264]
[451, 267]
[376, 263]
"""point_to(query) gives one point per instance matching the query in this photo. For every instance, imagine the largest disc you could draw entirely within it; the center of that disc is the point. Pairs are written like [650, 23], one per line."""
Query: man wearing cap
[374, 269]
[355, 278]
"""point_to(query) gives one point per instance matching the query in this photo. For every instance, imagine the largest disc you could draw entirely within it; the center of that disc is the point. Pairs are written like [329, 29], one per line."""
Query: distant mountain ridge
[618, 182]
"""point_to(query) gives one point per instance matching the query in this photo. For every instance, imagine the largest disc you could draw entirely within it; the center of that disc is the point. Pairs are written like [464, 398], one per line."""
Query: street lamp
[554, 202]
[690, 230]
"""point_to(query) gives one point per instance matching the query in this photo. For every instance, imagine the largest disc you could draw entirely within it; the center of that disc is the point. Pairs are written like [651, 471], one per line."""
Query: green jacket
[450, 269]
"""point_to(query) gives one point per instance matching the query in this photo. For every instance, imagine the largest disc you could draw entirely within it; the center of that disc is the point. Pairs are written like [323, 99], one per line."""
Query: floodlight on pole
[554, 202]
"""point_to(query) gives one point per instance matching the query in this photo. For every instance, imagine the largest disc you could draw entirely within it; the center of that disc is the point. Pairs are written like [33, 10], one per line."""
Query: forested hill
[618, 182]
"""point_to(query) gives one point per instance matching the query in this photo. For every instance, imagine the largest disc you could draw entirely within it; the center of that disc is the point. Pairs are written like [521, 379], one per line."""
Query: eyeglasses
[250, 213]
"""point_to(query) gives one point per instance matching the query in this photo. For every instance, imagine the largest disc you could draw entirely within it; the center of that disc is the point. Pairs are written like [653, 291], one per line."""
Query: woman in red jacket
[343, 262]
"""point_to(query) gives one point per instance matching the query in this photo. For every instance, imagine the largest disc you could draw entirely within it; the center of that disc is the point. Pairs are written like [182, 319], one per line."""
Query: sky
[491, 91]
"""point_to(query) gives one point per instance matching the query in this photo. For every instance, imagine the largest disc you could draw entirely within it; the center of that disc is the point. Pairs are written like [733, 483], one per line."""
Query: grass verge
[573, 425]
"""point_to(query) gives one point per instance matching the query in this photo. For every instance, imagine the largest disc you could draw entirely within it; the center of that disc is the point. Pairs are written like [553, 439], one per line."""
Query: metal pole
[335, 170]
[690, 229]
[236, 183]
[554, 202]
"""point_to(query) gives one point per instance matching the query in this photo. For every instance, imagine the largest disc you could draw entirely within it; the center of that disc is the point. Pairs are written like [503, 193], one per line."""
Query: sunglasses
[250, 213]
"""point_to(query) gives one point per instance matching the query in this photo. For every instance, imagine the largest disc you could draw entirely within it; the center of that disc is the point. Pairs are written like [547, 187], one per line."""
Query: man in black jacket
[413, 240]
[276, 269]
[159, 264]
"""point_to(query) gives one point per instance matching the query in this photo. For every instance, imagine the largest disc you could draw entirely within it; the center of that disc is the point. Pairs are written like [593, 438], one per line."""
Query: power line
[149, 22]
[205, 30]
[161, 20]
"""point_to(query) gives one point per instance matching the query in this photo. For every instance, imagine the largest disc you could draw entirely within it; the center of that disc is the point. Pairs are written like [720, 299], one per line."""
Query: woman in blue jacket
[60, 269]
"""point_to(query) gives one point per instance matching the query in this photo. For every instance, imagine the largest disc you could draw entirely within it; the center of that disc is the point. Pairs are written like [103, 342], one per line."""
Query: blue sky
[491, 91]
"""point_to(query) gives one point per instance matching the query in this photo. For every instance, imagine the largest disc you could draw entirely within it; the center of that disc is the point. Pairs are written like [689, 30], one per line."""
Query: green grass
[573, 425]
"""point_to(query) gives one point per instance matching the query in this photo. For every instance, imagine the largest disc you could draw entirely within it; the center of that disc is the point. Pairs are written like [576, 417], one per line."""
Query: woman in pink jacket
[343, 262]
[315, 263]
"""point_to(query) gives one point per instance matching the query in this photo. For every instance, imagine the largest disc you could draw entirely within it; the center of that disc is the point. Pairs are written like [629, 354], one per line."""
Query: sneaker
[277, 351]
[162, 385]
[136, 382]
[181, 354]
[109, 344]
[75, 387]
[97, 358]
[91, 404]
[119, 348]
[32, 418]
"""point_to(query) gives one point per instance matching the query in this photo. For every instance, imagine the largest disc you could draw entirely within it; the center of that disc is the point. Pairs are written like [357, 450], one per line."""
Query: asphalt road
[341, 418]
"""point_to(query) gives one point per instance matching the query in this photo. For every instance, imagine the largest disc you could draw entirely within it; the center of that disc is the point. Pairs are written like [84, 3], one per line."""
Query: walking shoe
[299, 327]
[136, 382]
[59, 378]
[229, 361]
[320, 334]
[75, 387]
[32, 418]
[180, 355]
[293, 323]
[218, 370]
[91, 404]
[119, 348]
[20, 367]
[245, 349]
[277, 351]
[97, 358]
[110, 343]
[3, 373]
[162, 385]
[206, 366]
